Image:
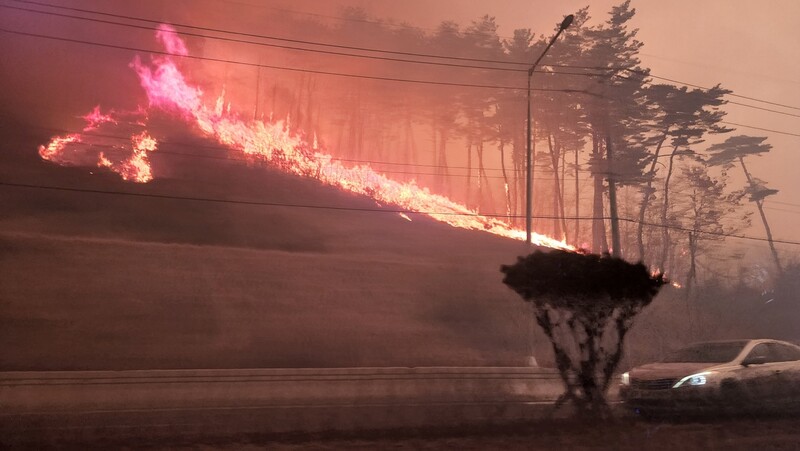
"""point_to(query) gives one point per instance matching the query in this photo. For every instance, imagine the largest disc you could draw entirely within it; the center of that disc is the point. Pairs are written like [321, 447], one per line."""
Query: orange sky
[746, 46]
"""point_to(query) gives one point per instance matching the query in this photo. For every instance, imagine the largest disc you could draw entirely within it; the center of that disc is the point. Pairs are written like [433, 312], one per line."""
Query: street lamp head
[566, 22]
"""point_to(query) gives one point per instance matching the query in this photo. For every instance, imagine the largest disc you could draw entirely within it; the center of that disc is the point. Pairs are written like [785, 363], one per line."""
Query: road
[354, 408]
[164, 403]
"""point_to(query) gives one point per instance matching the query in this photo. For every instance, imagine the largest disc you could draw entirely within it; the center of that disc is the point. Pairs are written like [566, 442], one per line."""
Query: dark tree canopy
[560, 278]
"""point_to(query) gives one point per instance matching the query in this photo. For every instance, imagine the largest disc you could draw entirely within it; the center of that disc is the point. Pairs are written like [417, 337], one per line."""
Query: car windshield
[719, 352]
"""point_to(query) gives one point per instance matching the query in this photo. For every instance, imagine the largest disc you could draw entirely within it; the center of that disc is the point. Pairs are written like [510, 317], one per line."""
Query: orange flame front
[272, 142]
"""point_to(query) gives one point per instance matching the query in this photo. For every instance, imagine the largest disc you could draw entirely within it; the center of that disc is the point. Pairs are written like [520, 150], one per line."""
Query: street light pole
[529, 154]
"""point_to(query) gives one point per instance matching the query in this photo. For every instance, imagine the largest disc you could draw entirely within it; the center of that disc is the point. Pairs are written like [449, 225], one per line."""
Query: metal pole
[529, 171]
[529, 153]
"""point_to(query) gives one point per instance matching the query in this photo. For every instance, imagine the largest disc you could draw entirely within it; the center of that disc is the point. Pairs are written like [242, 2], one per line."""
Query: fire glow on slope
[272, 142]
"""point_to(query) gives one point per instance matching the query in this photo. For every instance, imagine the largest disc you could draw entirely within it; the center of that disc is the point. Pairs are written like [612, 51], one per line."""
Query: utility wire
[340, 74]
[373, 210]
[760, 128]
[295, 41]
[294, 69]
[784, 203]
[671, 80]
[374, 50]
[286, 47]
[543, 168]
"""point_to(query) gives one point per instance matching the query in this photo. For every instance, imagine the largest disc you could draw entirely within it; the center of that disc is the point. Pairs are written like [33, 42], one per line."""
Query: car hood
[660, 370]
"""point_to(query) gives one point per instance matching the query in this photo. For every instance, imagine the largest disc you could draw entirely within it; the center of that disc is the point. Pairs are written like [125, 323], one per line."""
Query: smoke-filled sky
[749, 47]
[752, 48]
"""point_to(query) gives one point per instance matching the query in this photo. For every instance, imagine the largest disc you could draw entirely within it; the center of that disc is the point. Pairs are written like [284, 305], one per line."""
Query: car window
[767, 351]
[714, 352]
[758, 351]
[784, 353]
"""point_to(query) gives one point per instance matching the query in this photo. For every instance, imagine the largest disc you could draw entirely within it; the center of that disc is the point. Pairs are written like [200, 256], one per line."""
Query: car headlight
[625, 379]
[693, 380]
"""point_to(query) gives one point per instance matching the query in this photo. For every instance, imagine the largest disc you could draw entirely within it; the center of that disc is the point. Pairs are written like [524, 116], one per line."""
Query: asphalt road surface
[356, 408]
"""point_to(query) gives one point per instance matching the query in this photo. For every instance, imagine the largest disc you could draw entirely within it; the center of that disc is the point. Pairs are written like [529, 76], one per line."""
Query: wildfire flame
[272, 142]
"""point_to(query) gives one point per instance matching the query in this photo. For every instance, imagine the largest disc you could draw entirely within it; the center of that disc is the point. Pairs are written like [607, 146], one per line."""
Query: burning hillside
[271, 142]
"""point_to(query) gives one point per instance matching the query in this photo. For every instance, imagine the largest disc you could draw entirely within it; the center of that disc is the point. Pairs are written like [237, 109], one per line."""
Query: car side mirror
[754, 360]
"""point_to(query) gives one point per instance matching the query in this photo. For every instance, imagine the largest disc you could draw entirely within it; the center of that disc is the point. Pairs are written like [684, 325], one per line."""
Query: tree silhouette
[734, 149]
[585, 304]
[706, 206]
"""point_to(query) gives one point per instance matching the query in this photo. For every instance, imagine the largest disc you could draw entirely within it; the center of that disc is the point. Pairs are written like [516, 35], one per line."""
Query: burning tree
[585, 303]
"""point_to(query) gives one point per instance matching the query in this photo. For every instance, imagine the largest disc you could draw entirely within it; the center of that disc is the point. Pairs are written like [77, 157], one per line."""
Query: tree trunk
[468, 196]
[577, 200]
[665, 241]
[506, 185]
[483, 182]
[442, 163]
[562, 200]
[558, 233]
[646, 194]
[691, 275]
[760, 205]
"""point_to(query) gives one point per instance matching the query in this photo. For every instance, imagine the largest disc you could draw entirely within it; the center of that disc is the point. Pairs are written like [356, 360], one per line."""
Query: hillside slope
[296, 276]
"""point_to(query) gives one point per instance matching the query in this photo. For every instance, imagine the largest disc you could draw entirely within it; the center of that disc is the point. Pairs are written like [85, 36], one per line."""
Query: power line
[784, 203]
[373, 210]
[367, 49]
[228, 149]
[782, 209]
[382, 58]
[261, 203]
[286, 47]
[358, 76]
[275, 38]
[731, 102]
[706, 232]
[294, 69]
[760, 128]
[543, 169]
[671, 80]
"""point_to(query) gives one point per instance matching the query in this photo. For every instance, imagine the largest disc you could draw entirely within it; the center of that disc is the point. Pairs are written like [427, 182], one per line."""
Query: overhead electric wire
[378, 57]
[760, 128]
[359, 76]
[784, 203]
[294, 69]
[266, 204]
[286, 47]
[782, 210]
[373, 210]
[540, 169]
[244, 159]
[366, 49]
[296, 41]
[671, 80]
[223, 148]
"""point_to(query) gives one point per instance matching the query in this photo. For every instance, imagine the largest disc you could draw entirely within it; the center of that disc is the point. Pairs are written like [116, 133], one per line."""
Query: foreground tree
[585, 304]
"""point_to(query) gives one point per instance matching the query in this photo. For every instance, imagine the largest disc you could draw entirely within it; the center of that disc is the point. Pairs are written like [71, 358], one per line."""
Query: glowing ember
[272, 142]
[128, 159]
[95, 119]
[137, 167]
[56, 146]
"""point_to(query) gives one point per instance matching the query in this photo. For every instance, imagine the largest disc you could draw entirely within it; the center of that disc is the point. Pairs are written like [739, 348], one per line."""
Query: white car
[728, 376]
